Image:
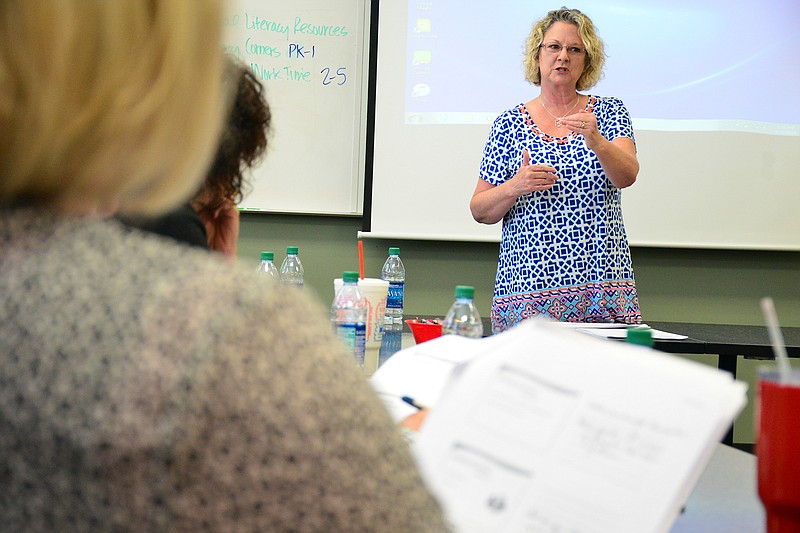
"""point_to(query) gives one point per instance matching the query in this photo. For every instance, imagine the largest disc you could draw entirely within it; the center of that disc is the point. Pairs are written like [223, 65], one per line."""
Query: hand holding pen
[414, 422]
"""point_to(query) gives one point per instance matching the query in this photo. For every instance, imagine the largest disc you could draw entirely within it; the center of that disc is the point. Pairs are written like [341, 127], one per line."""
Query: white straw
[776, 337]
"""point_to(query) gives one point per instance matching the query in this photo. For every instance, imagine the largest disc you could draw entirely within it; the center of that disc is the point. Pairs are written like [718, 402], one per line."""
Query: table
[728, 341]
[725, 497]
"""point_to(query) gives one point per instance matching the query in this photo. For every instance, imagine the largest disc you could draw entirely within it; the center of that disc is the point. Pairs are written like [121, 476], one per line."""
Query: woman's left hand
[617, 157]
[585, 123]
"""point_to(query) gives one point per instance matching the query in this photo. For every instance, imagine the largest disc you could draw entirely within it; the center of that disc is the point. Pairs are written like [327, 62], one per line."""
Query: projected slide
[681, 65]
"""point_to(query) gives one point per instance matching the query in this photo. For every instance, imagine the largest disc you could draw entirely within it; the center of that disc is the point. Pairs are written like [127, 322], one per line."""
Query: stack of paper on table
[546, 429]
[610, 330]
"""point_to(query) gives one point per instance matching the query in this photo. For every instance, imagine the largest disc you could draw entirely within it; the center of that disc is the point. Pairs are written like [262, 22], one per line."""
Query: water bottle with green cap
[267, 268]
[349, 317]
[394, 272]
[463, 318]
[292, 271]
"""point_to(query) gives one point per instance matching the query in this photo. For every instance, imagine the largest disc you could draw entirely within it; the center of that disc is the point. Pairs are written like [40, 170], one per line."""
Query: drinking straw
[776, 338]
[361, 258]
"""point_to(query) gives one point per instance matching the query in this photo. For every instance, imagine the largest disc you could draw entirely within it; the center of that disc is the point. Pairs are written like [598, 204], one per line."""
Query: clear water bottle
[292, 271]
[463, 318]
[349, 316]
[395, 273]
[267, 267]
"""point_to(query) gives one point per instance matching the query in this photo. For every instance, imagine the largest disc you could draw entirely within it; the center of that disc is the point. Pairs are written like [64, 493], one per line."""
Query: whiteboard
[310, 56]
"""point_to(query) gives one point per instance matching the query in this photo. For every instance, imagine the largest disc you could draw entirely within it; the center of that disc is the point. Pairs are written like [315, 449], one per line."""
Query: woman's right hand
[530, 178]
[490, 203]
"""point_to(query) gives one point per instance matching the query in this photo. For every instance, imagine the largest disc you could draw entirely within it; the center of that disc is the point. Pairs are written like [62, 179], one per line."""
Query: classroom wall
[675, 285]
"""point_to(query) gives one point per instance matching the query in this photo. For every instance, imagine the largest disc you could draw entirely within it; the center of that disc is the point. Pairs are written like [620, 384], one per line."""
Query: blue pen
[412, 402]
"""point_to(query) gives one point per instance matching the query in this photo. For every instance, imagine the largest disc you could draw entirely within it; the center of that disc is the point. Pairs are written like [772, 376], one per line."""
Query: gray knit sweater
[146, 386]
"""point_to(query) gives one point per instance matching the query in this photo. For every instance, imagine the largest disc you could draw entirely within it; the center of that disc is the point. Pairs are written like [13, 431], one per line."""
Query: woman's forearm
[618, 159]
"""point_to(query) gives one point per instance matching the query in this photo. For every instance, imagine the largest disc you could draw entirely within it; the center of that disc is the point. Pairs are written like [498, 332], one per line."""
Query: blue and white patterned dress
[564, 253]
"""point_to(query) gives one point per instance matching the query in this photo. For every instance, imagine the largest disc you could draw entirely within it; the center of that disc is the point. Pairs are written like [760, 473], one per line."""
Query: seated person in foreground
[143, 385]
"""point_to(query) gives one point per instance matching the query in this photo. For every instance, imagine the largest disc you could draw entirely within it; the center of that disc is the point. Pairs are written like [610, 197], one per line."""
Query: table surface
[725, 497]
[727, 341]
[720, 339]
[732, 339]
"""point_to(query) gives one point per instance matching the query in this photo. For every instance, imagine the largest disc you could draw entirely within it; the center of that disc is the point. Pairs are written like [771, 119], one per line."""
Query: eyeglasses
[555, 49]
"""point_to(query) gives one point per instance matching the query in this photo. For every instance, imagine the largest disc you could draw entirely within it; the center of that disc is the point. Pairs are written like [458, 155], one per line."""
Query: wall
[675, 285]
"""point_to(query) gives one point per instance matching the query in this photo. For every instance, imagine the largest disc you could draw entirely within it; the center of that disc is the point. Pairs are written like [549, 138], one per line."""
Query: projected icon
[423, 26]
[420, 90]
[421, 57]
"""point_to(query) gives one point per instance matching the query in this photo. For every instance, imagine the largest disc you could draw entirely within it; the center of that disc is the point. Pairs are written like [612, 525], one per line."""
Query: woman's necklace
[559, 119]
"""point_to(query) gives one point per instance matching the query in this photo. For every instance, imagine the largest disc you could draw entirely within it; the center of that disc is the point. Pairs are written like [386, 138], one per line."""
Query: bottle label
[354, 337]
[394, 299]
[361, 343]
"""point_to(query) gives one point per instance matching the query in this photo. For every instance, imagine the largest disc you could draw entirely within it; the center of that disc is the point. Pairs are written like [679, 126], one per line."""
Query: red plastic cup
[778, 450]
[424, 331]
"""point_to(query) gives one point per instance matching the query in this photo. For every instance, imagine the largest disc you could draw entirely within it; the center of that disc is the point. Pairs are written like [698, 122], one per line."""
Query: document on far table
[611, 330]
[546, 429]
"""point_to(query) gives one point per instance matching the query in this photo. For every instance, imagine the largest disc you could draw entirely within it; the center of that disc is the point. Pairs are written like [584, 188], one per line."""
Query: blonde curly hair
[595, 51]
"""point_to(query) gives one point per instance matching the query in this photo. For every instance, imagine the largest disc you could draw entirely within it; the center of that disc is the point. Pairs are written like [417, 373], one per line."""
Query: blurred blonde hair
[108, 102]
[595, 51]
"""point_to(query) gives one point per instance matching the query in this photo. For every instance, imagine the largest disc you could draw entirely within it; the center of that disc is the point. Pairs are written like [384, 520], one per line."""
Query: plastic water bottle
[267, 267]
[349, 316]
[395, 273]
[463, 318]
[292, 271]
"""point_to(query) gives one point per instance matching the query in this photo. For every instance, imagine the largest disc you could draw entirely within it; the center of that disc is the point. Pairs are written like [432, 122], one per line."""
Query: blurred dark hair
[243, 141]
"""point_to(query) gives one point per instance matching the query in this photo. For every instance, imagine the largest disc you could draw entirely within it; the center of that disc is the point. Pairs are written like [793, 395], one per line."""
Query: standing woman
[552, 171]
